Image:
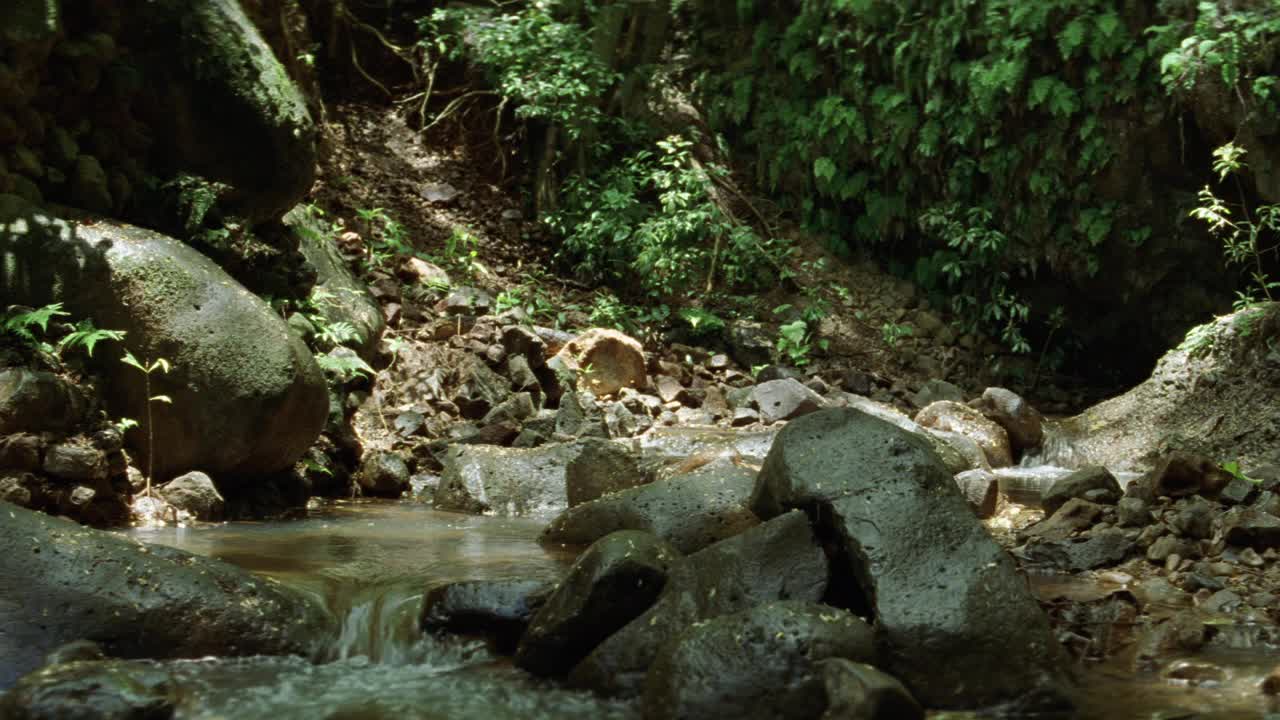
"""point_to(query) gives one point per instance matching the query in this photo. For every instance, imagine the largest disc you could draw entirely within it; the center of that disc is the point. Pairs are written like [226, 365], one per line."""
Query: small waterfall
[381, 626]
[1056, 450]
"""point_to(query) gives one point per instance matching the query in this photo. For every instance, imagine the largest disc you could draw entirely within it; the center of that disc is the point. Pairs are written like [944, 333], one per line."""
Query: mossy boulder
[61, 582]
[247, 397]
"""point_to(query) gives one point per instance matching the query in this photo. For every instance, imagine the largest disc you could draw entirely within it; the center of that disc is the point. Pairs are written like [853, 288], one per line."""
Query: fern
[345, 366]
[20, 322]
[86, 335]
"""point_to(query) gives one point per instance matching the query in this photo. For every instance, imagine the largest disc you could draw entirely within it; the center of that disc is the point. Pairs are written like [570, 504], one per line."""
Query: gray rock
[1023, 423]
[195, 493]
[616, 579]
[135, 600]
[478, 389]
[75, 461]
[383, 474]
[1238, 491]
[580, 415]
[622, 423]
[339, 296]
[1252, 528]
[760, 663]
[601, 468]
[857, 691]
[20, 451]
[934, 390]
[521, 341]
[750, 343]
[1133, 512]
[778, 560]
[93, 691]
[1078, 484]
[248, 399]
[954, 617]
[515, 409]
[1194, 519]
[495, 608]
[35, 400]
[690, 511]
[467, 300]
[744, 416]
[1075, 515]
[507, 481]
[785, 399]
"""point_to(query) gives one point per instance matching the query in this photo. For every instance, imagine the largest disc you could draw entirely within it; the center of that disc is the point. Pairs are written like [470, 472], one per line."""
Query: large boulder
[60, 582]
[93, 691]
[338, 296]
[507, 481]
[690, 511]
[247, 396]
[1217, 394]
[614, 581]
[605, 361]
[779, 560]
[954, 618]
[224, 107]
[763, 662]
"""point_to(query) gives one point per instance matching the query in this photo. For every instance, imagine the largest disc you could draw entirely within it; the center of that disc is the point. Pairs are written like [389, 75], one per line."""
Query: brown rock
[606, 361]
[962, 419]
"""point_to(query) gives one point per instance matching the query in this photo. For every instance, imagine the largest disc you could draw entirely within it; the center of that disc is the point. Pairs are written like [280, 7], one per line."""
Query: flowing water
[369, 563]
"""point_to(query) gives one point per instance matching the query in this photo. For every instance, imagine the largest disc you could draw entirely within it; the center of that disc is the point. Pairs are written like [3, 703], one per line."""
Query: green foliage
[545, 66]
[893, 333]
[147, 367]
[345, 366]
[86, 335]
[1235, 46]
[608, 311]
[651, 221]
[1233, 467]
[796, 342]
[703, 323]
[21, 323]
[1246, 238]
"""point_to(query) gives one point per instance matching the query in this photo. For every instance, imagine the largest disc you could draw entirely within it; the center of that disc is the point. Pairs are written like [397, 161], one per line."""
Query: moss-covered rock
[247, 397]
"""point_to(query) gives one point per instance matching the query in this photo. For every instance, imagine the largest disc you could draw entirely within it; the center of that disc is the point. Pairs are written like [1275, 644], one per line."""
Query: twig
[453, 106]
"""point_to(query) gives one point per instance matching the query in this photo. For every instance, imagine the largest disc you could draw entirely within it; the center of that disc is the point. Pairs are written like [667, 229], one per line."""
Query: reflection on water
[370, 563]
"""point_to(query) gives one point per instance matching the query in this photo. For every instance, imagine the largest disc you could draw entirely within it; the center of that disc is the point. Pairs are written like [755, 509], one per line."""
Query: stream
[369, 564]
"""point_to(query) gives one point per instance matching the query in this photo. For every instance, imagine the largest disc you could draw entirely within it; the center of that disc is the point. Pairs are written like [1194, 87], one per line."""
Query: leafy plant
[1233, 468]
[21, 323]
[1246, 238]
[147, 367]
[701, 322]
[796, 342]
[893, 333]
[345, 366]
[86, 335]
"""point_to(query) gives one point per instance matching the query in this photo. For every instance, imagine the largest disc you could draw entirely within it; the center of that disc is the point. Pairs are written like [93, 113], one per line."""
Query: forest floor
[447, 191]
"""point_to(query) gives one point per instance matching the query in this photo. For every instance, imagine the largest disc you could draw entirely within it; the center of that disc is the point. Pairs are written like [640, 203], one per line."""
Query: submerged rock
[778, 560]
[134, 600]
[690, 511]
[93, 691]
[762, 663]
[495, 608]
[954, 618]
[615, 580]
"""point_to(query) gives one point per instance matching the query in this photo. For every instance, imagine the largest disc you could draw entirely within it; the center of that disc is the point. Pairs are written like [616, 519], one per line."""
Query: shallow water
[370, 563]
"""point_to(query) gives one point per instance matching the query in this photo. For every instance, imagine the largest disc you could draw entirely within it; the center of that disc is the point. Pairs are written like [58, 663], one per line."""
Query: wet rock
[935, 390]
[1101, 549]
[17, 489]
[248, 398]
[614, 360]
[1133, 512]
[1097, 483]
[1181, 474]
[954, 617]
[981, 490]
[951, 445]
[620, 422]
[1168, 545]
[77, 461]
[785, 399]
[478, 389]
[93, 691]
[1074, 516]
[857, 691]
[690, 511]
[1183, 632]
[37, 401]
[499, 609]
[507, 481]
[601, 468]
[1194, 519]
[1021, 421]
[763, 663]
[195, 493]
[135, 600]
[383, 474]
[612, 583]
[778, 560]
[962, 419]
[1251, 528]
[78, 651]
